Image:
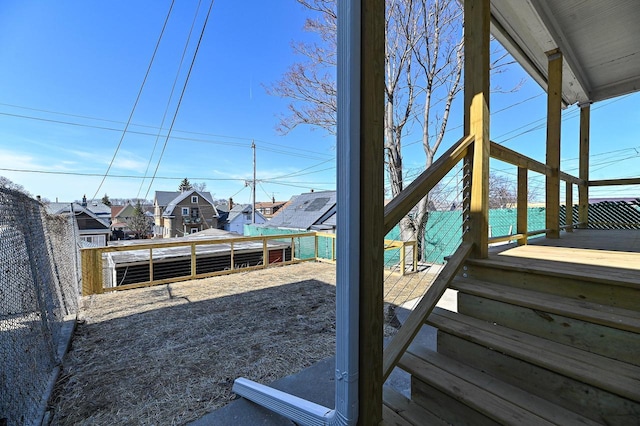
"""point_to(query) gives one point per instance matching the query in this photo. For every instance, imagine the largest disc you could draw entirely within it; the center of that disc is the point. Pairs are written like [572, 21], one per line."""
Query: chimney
[273, 200]
[84, 200]
[39, 198]
[230, 203]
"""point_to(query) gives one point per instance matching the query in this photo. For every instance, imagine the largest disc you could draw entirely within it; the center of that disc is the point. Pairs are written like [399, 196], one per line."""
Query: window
[194, 230]
[195, 212]
[185, 211]
[194, 199]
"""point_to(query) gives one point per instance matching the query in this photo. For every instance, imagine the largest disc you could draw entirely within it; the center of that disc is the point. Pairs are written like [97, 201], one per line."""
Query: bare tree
[139, 224]
[503, 192]
[7, 183]
[423, 68]
[199, 186]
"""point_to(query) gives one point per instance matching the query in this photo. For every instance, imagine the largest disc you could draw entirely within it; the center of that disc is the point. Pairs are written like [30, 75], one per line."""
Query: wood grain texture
[554, 120]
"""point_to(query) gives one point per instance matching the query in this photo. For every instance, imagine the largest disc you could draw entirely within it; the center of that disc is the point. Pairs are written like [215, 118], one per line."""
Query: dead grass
[169, 354]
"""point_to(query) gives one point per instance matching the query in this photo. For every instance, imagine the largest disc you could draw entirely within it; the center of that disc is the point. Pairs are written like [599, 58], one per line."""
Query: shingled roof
[306, 211]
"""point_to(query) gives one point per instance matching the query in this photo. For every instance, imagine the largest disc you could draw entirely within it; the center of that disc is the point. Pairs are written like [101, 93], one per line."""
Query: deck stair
[529, 345]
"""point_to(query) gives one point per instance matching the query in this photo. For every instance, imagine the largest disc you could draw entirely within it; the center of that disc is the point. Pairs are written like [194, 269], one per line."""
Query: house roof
[239, 209]
[115, 210]
[98, 208]
[180, 196]
[62, 208]
[598, 41]
[306, 210]
[264, 205]
[163, 198]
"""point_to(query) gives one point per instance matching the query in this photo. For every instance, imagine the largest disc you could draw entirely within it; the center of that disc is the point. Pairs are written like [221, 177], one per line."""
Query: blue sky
[71, 72]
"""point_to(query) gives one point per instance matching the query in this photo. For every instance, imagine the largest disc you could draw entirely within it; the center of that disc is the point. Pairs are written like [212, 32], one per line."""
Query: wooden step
[600, 388]
[499, 401]
[602, 329]
[584, 282]
[399, 410]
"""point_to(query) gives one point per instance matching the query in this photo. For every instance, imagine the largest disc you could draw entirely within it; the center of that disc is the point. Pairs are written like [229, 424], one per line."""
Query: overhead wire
[135, 104]
[184, 88]
[93, 126]
[173, 87]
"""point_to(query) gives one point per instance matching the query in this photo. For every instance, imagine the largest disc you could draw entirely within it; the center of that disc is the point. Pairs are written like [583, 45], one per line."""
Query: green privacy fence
[443, 234]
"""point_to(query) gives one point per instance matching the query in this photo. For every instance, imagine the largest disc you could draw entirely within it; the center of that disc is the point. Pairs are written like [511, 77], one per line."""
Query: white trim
[185, 211]
[194, 199]
[348, 248]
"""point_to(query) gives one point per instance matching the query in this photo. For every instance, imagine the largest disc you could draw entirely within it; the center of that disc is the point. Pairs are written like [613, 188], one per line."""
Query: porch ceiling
[599, 41]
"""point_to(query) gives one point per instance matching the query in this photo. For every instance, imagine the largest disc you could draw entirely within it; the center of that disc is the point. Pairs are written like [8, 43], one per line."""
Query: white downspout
[348, 248]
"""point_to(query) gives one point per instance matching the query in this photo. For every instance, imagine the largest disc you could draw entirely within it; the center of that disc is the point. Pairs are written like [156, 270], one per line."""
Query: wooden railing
[400, 206]
[93, 259]
[526, 164]
[388, 245]
[393, 213]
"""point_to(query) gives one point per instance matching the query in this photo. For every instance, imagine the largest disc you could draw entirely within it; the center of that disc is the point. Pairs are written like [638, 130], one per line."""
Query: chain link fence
[39, 289]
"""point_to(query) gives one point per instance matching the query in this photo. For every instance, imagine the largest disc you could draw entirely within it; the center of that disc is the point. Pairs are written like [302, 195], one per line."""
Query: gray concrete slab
[316, 383]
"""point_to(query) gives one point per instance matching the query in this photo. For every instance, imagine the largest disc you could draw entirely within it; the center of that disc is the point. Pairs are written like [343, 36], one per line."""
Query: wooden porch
[545, 333]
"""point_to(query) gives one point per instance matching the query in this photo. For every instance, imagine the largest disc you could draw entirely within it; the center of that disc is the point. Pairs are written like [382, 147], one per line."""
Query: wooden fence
[98, 267]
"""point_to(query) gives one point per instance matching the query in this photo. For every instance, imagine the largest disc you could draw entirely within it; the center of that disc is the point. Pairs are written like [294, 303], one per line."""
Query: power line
[51, 172]
[184, 88]
[173, 87]
[135, 104]
[92, 126]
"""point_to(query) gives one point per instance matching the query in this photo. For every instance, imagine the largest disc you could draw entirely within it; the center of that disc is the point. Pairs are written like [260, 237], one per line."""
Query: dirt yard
[169, 354]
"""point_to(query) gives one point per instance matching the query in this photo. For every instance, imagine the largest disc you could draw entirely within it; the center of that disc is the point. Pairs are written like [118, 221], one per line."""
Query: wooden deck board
[607, 255]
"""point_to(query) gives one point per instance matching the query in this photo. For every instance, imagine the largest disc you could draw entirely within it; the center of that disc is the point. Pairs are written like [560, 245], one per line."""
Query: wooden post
[476, 122]
[523, 201]
[569, 207]
[403, 254]
[97, 272]
[193, 260]
[316, 245]
[371, 183]
[150, 264]
[554, 119]
[415, 256]
[583, 190]
[232, 260]
[265, 252]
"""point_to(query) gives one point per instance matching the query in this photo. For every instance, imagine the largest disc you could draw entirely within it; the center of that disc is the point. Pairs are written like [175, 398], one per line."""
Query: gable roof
[115, 210]
[306, 210]
[239, 209]
[168, 211]
[163, 198]
[62, 208]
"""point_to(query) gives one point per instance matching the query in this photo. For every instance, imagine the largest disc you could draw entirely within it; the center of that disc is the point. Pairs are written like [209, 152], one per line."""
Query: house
[178, 213]
[309, 211]
[268, 209]
[545, 330]
[93, 230]
[120, 217]
[240, 215]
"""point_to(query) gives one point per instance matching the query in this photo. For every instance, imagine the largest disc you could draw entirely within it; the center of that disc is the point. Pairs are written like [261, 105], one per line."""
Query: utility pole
[253, 188]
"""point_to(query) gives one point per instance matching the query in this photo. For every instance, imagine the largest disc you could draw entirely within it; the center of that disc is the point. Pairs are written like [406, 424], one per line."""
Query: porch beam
[583, 190]
[554, 119]
[612, 182]
[476, 122]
